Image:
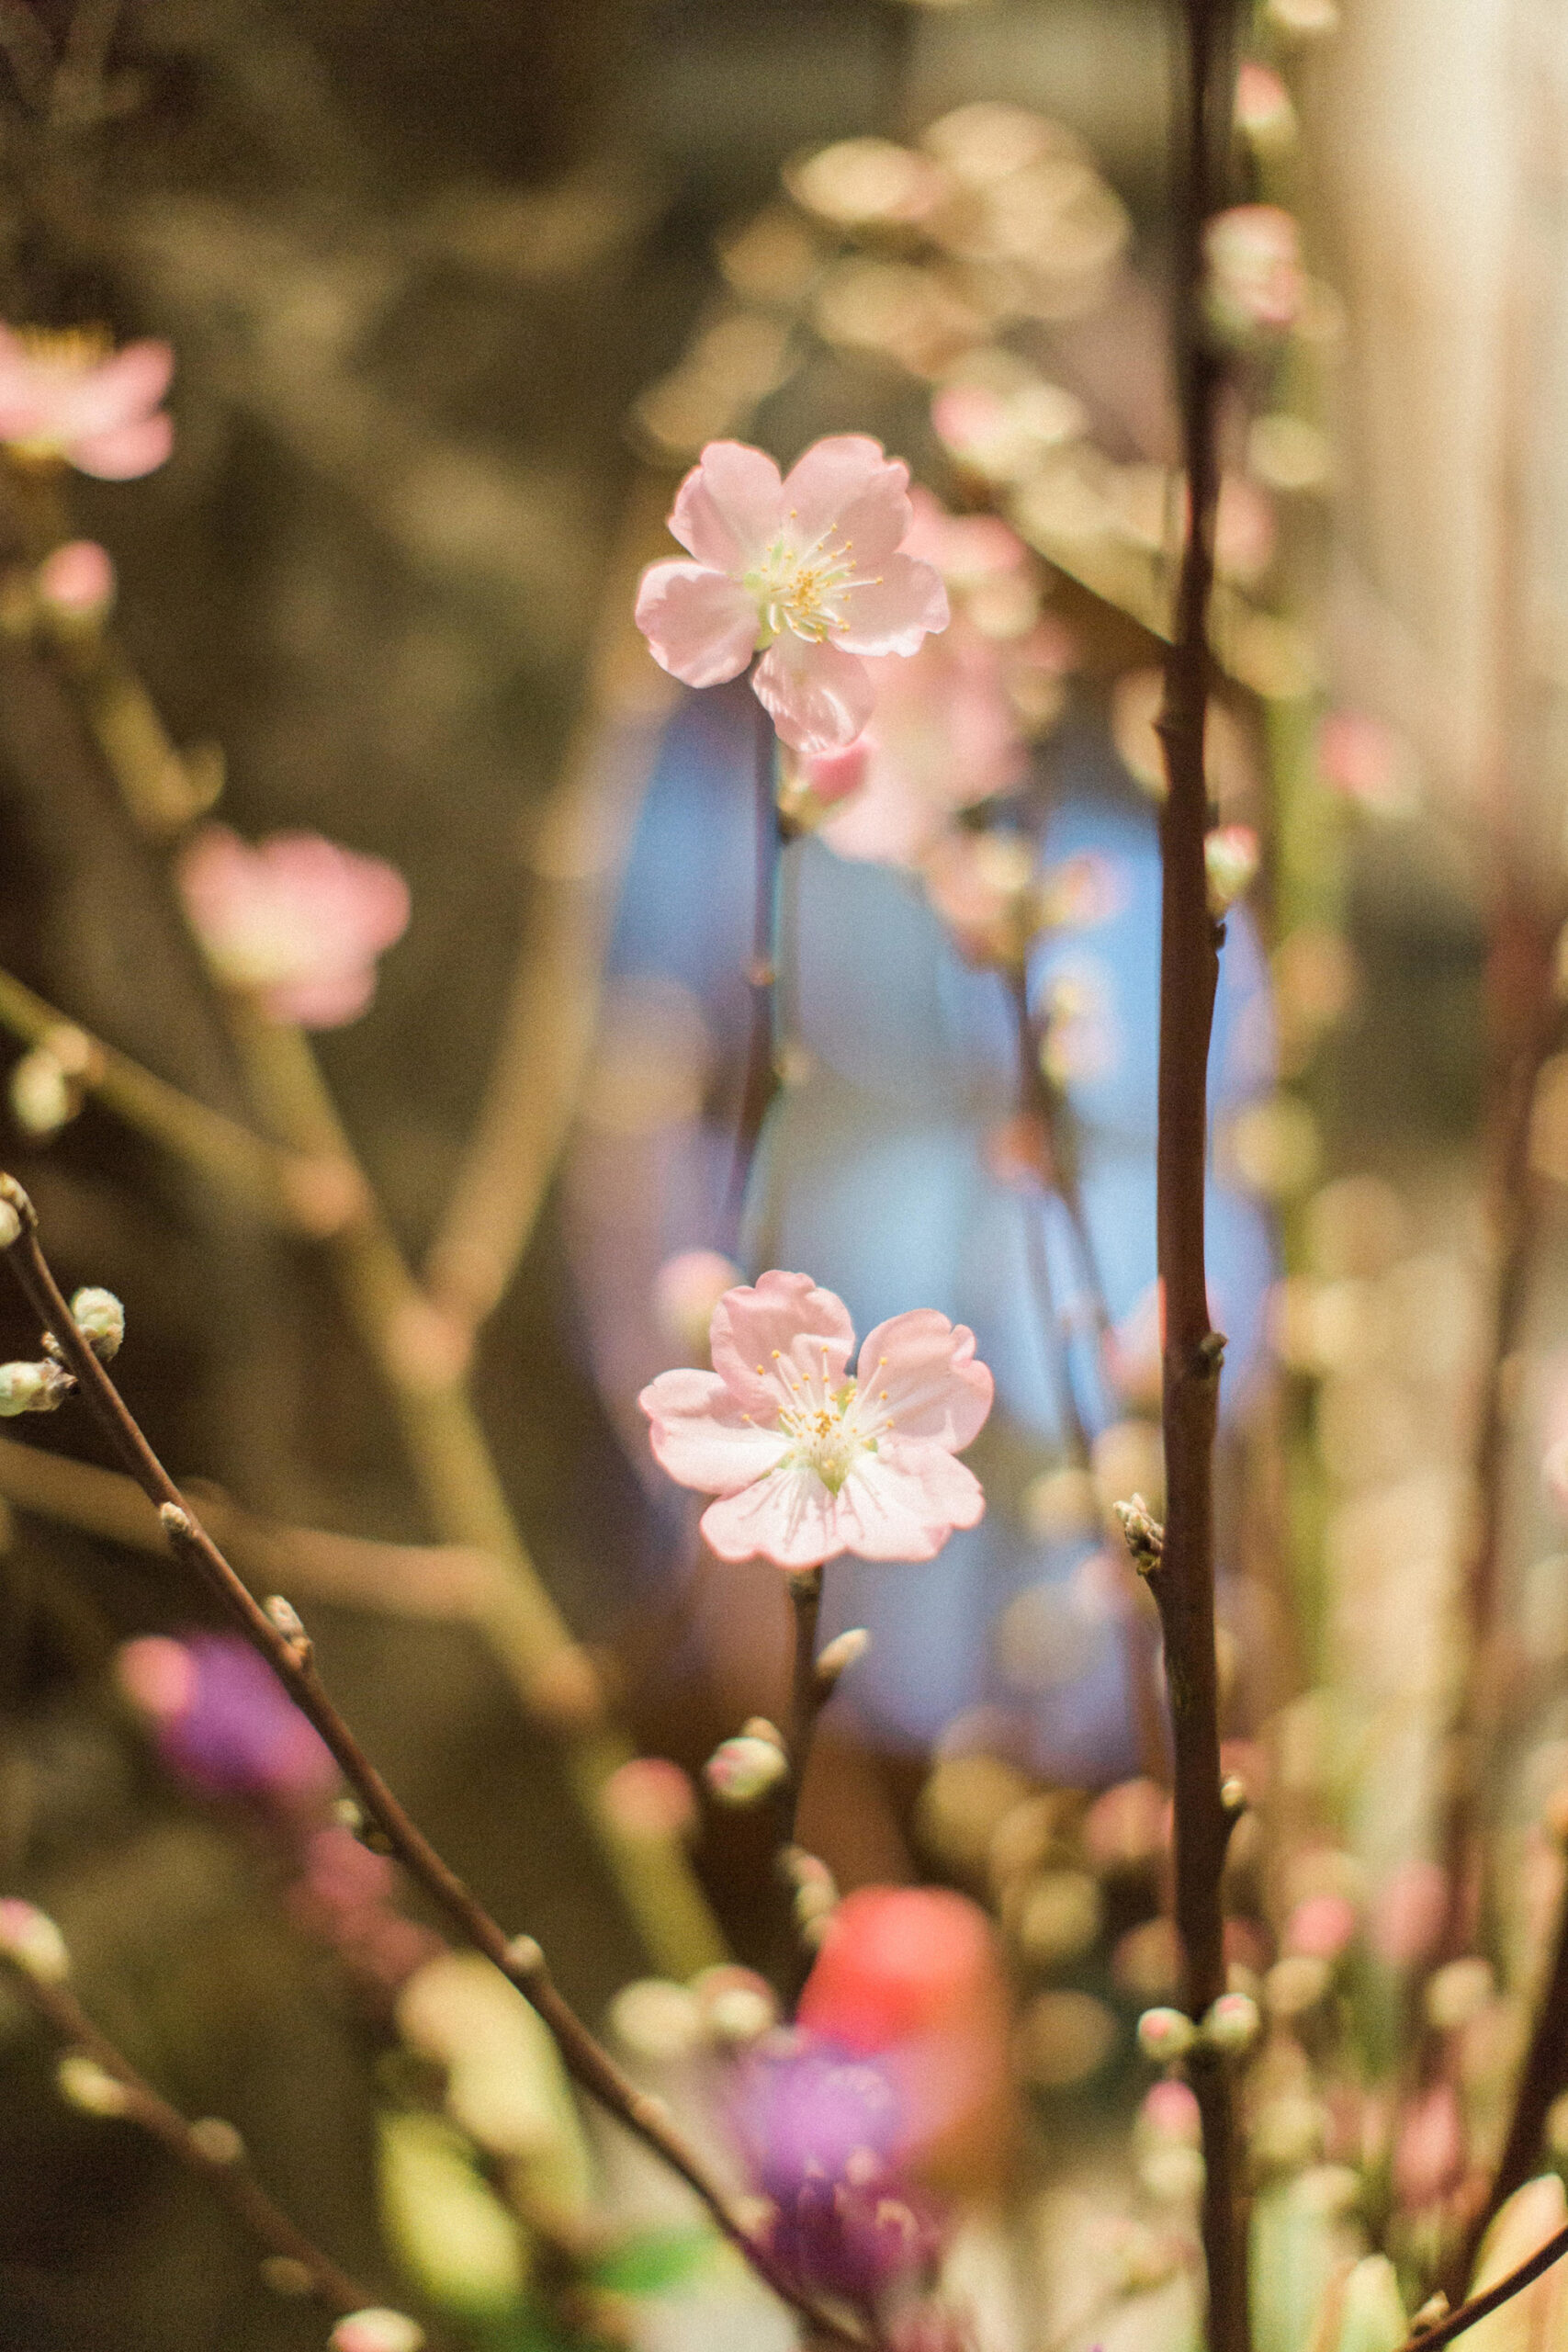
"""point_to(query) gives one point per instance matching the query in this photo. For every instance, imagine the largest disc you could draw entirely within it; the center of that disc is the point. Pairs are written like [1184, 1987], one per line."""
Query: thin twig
[1184, 1585]
[808, 1694]
[281, 1641]
[1532, 1030]
[760, 1080]
[447, 1451]
[211, 2149]
[1428, 2339]
[282, 1186]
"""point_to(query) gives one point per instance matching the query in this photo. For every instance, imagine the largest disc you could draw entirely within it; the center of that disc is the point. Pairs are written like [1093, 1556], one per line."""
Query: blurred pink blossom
[295, 919]
[1407, 1913]
[808, 1462]
[945, 736]
[63, 395]
[686, 1289]
[1321, 1926]
[1369, 763]
[219, 1719]
[77, 579]
[650, 1797]
[1429, 2153]
[806, 572]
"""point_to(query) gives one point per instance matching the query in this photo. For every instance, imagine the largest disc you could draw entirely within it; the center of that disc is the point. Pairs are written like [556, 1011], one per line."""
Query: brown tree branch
[275, 1631]
[209, 2148]
[1184, 1586]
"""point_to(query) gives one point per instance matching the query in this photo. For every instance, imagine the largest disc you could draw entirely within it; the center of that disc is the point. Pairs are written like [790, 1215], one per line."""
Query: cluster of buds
[744, 1770]
[815, 1893]
[40, 1386]
[33, 1387]
[1228, 2029]
[1142, 1534]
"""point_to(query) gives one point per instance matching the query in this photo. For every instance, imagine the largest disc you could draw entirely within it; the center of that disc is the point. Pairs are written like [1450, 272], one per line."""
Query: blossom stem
[1529, 1019]
[1189, 940]
[760, 1080]
[291, 1659]
[1037, 1107]
[212, 2149]
[806, 1695]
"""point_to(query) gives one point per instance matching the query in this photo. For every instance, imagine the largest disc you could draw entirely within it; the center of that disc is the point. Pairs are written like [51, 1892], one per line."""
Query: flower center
[828, 1429]
[69, 350]
[803, 589]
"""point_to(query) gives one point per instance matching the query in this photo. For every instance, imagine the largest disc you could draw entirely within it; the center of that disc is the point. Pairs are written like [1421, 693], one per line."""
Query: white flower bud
[742, 1771]
[83, 2084]
[1166, 2035]
[10, 1225]
[217, 2140]
[42, 1098]
[838, 1656]
[376, 2330]
[30, 1940]
[100, 1318]
[1232, 2023]
[32, 1388]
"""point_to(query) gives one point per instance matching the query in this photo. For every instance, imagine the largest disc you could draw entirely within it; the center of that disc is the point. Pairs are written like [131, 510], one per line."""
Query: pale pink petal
[790, 1519]
[329, 1002]
[699, 626]
[894, 612]
[123, 452]
[701, 1435]
[119, 391]
[886, 823]
[728, 507]
[832, 777]
[903, 1502]
[764, 1339]
[924, 1368]
[846, 485]
[817, 697]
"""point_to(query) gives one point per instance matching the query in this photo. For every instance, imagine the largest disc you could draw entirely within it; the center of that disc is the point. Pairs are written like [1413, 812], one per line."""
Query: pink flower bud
[1263, 109]
[376, 2329]
[1254, 285]
[1166, 2035]
[650, 1797]
[31, 1941]
[77, 581]
[1230, 863]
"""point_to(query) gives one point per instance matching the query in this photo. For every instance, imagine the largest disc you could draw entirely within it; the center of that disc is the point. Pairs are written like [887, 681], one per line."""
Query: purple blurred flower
[221, 1721]
[819, 2128]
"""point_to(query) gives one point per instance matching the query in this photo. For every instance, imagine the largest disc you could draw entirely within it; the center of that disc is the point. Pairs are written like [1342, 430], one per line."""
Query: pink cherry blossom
[808, 1461]
[296, 922]
[806, 571]
[65, 394]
